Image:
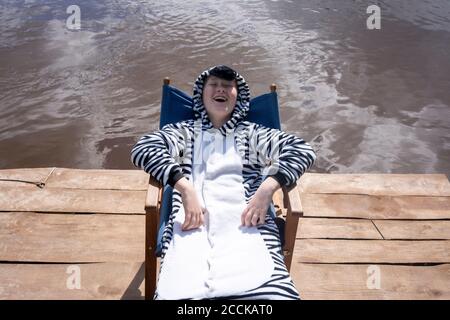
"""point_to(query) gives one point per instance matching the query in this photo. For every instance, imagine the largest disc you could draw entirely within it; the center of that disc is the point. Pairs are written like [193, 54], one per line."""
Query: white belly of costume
[221, 258]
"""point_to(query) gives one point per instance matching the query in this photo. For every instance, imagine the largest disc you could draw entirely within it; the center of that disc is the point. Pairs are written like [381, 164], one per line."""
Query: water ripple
[361, 97]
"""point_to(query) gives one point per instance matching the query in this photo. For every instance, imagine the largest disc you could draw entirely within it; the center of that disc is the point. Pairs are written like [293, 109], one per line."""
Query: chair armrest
[153, 197]
[291, 199]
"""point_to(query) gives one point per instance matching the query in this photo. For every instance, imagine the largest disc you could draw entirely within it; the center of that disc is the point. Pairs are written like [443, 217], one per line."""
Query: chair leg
[150, 257]
[294, 208]
[289, 240]
[152, 207]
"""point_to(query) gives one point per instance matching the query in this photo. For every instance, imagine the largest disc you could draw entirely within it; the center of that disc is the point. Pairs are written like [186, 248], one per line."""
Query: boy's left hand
[256, 210]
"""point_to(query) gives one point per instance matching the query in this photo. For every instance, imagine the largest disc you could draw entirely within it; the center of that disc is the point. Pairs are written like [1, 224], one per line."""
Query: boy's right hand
[193, 212]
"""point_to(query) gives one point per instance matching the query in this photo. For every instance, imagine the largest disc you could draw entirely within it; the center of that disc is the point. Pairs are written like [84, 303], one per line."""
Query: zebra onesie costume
[222, 259]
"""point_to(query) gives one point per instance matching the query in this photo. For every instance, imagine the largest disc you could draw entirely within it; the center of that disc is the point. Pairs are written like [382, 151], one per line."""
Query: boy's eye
[215, 84]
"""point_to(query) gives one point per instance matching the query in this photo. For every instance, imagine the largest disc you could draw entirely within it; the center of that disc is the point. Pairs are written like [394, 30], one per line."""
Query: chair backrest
[176, 106]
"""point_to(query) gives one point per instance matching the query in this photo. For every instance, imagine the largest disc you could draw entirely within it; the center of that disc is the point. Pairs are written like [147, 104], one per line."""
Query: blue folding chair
[177, 106]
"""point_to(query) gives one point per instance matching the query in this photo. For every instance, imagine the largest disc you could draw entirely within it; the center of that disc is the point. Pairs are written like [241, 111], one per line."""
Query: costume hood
[240, 110]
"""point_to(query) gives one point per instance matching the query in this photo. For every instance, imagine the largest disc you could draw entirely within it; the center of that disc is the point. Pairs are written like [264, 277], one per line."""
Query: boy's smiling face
[219, 98]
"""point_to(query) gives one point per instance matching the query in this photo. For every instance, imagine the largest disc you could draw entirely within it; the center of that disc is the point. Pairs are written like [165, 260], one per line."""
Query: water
[367, 100]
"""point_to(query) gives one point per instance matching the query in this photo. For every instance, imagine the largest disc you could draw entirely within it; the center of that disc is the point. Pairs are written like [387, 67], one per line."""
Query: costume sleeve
[284, 156]
[159, 153]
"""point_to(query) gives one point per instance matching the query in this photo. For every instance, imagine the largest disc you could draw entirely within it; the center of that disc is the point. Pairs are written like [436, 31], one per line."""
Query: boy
[220, 242]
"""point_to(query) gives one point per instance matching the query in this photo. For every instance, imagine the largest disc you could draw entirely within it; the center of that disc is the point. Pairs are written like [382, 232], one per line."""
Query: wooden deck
[363, 236]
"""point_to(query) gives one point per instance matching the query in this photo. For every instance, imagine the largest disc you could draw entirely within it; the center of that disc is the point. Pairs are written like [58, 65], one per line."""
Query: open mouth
[220, 99]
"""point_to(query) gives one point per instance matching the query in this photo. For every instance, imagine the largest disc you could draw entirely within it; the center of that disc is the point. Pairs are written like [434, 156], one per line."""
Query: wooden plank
[39, 237]
[323, 228]
[98, 179]
[375, 207]
[394, 229]
[28, 174]
[352, 282]
[371, 251]
[104, 281]
[376, 184]
[71, 200]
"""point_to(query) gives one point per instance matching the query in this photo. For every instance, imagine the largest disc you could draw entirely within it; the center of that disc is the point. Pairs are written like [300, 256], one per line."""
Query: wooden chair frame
[291, 206]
